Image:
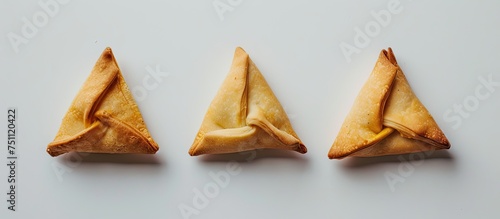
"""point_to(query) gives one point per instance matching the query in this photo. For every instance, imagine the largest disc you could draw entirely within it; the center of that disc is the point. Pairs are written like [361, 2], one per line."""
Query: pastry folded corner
[245, 115]
[103, 117]
[387, 117]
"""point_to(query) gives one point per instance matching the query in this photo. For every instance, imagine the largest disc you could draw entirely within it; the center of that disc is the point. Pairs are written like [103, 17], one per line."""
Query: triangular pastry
[387, 118]
[245, 115]
[103, 117]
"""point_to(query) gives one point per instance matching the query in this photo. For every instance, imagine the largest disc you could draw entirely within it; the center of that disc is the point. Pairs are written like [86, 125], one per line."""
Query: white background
[443, 47]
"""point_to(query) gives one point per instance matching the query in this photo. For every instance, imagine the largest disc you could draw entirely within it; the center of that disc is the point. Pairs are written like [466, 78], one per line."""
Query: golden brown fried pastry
[387, 118]
[245, 115]
[103, 117]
